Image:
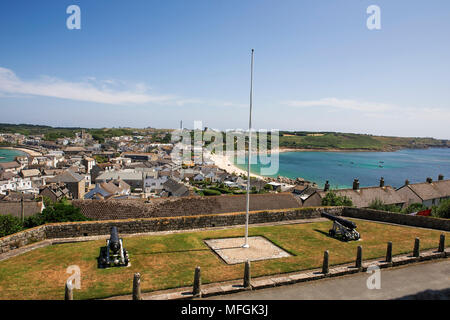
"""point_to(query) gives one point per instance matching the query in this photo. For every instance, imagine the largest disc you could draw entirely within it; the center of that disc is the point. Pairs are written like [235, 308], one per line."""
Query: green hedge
[9, 225]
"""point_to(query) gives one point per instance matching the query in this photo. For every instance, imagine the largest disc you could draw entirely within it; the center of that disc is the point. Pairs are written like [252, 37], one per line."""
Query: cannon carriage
[113, 254]
[342, 228]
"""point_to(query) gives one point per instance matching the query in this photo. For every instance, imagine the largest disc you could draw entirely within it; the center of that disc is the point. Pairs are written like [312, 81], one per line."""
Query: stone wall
[130, 226]
[398, 218]
[23, 238]
[14, 208]
[80, 229]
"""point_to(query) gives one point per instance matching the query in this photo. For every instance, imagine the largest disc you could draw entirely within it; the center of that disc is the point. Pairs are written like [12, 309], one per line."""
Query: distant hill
[53, 133]
[288, 139]
[351, 141]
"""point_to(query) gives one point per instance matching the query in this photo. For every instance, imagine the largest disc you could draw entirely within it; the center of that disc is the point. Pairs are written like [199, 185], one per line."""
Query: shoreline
[282, 150]
[224, 163]
[30, 153]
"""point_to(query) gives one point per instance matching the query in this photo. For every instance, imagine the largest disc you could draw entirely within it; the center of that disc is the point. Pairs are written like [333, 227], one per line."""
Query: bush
[221, 190]
[9, 225]
[443, 211]
[332, 199]
[58, 212]
[380, 205]
[415, 207]
[210, 192]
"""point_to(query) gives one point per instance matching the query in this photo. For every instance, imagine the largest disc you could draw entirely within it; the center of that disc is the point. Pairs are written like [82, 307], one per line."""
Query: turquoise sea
[340, 168]
[7, 155]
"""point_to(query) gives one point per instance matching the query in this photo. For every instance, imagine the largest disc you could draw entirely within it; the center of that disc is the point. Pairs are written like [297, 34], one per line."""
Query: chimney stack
[441, 177]
[382, 182]
[356, 184]
[327, 186]
[406, 182]
[429, 180]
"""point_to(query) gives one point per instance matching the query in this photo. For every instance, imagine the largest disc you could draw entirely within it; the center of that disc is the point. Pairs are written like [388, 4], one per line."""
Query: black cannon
[114, 254]
[342, 228]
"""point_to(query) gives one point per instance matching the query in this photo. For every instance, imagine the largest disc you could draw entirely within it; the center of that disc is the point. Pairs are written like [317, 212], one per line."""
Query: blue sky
[154, 63]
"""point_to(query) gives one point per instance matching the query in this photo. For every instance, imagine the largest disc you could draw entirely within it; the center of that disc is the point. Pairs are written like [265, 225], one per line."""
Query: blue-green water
[7, 155]
[340, 168]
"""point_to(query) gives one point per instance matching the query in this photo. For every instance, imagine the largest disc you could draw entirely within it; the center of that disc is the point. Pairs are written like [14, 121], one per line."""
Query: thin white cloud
[91, 89]
[349, 104]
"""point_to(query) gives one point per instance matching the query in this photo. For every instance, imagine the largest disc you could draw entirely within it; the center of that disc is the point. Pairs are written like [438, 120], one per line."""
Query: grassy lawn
[168, 261]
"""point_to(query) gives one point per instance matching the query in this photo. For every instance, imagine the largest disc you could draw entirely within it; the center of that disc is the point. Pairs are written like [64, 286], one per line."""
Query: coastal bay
[341, 167]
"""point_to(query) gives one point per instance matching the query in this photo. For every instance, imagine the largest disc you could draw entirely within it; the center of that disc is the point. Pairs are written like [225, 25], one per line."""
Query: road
[395, 283]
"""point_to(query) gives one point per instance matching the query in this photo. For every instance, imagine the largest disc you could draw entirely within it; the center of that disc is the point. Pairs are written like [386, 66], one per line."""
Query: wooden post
[197, 291]
[416, 252]
[68, 292]
[247, 276]
[325, 266]
[442, 243]
[389, 252]
[359, 258]
[137, 287]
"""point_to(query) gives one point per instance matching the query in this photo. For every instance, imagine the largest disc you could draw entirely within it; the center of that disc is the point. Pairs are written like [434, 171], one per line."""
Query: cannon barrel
[114, 243]
[345, 223]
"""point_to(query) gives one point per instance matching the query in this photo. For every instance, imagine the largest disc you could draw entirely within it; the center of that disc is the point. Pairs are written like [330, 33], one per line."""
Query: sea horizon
[340, 168]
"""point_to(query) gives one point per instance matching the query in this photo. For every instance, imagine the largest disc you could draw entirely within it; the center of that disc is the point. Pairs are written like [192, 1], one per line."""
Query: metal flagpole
[246, 245]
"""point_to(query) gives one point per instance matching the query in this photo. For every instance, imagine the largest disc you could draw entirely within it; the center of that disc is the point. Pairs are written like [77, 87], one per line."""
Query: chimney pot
[327, 186]
[441, 177]
[406, 182]
[382, 182]
[356, 184]
[429, 180]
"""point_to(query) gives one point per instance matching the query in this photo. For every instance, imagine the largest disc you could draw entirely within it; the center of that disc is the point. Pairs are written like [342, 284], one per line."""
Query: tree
[9, 225]
[443, 211]
[332, 199]
[61, 211]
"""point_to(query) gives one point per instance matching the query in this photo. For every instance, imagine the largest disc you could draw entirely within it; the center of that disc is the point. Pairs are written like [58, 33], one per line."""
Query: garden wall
[130, 226]
[398, 218]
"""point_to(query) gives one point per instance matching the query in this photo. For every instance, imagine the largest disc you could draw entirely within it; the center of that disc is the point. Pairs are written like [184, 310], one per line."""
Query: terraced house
[429, 193]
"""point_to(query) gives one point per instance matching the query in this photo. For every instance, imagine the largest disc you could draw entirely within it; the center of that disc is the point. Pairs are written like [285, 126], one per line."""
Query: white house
[17, 184]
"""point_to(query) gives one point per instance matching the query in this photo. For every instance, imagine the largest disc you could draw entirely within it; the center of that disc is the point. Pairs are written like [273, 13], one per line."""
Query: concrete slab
[280, 281]
[262, 283]
[232, 252]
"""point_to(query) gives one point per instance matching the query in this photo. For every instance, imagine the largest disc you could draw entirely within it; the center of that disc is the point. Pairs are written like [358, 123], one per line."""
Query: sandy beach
[224, 163]
[31, 153]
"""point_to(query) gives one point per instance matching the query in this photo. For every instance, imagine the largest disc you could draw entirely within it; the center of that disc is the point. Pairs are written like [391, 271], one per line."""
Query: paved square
[231, 251]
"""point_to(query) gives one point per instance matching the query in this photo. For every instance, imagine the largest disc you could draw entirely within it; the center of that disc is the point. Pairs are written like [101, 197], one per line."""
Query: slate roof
[183, 206]
[363, 197]
[67, 177]
[175, 189]
[429, 191]
[30, 173]
[9, 165]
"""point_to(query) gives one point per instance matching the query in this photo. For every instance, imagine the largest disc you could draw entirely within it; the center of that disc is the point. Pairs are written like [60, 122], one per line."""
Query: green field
[349, 141]
[168, 261]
